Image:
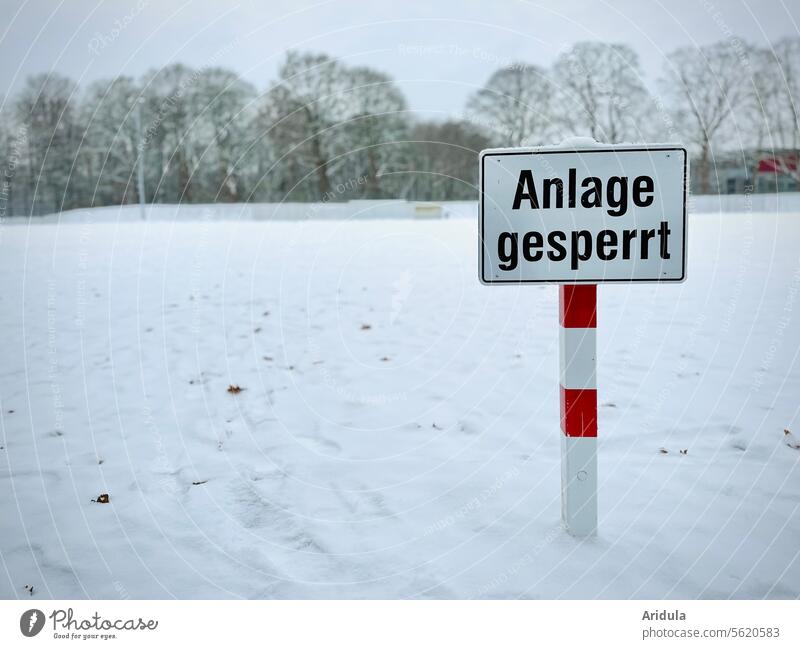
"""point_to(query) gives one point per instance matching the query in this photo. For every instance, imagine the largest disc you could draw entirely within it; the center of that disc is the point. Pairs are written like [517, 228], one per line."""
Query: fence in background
[371, 209]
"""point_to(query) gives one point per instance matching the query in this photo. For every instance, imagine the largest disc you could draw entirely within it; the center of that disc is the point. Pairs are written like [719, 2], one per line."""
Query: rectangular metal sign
[594, 215]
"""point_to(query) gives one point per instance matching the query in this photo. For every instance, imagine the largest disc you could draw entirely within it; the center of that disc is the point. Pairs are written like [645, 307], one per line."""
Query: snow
[397, 434]
[366, 210]
[580, 142]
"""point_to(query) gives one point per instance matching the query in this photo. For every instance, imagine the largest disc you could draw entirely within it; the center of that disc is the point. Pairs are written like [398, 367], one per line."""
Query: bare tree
[760, 121]
[170, 153]
[515, 106]
[601, 92]
[787, 55]
[706, 85]
[376, 128]
[7, 164]
[445, 159]
[302, 111]
[110, 145]
[46, 109]
[220, 130]
[324, 119]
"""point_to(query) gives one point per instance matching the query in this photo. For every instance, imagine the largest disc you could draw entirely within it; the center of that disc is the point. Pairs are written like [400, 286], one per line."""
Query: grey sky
[438, 51]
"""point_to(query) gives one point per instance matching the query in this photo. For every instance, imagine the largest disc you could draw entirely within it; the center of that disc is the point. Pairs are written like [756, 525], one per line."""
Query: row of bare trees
[716, 99]
[328, 131]
[323, 131]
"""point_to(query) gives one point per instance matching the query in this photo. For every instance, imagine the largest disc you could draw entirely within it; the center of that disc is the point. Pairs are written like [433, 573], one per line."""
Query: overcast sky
[438, 51]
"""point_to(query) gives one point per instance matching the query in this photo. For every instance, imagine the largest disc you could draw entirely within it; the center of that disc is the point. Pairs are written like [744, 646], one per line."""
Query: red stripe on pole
[577, 306]
[579, 412]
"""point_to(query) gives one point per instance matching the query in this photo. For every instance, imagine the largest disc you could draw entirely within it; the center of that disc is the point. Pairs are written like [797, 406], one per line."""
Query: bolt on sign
[579, 216]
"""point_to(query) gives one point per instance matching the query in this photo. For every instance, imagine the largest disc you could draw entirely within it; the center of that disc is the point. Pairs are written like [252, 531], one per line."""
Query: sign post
[577, 347]
[578, 216]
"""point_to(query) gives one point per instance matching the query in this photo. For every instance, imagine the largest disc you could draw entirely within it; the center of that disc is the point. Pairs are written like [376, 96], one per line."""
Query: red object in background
[778, 164]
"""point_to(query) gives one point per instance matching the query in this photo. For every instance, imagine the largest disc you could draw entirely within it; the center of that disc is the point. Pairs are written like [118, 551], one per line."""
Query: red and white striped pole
[578, 359]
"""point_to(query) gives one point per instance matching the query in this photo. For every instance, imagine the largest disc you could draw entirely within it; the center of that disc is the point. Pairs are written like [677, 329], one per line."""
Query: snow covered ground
[397, 430]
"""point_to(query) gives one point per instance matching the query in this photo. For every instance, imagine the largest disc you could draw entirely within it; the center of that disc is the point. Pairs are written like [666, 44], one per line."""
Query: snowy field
[397, 431]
